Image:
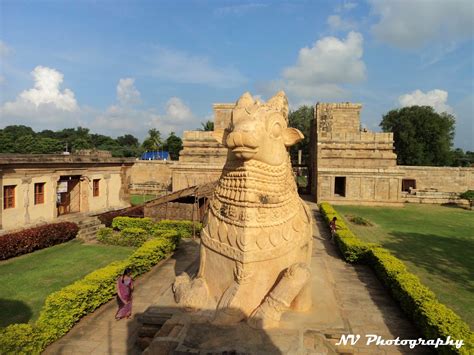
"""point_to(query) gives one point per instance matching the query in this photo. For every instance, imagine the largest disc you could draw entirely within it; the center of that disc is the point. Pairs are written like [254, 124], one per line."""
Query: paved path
[347, 299]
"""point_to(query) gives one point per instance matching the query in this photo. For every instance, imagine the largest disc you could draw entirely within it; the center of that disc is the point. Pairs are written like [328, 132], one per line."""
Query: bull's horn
[279, 102]
[245, 100]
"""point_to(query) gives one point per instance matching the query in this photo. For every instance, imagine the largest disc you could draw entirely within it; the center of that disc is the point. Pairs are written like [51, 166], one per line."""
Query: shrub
[36, 238]
[184, 228]
[468, 195]
[105, 235]
[352, 248]
[64, 308]
[433, 318]
[107, 217]
[361, 221]
[121, 223]
[133, 236]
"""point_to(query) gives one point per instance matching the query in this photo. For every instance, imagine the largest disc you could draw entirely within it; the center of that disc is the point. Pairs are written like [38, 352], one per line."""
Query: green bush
[352, 248]
[361, 221]
[120, 223]
[133, 236]
[184, 228]
[64, 308]
[105, 235]
[433, 318]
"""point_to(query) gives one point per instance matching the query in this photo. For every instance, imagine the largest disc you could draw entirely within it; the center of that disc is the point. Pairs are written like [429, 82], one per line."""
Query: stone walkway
[347, 299]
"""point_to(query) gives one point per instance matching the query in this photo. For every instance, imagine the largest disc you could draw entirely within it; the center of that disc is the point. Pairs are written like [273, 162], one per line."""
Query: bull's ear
[292, 136]
[220, 135]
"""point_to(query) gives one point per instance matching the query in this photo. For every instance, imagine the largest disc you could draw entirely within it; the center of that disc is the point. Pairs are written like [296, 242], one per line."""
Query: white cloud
[120, 118]
[412, 23]
[181, 67]
[434, 98]
[127, 93]
[4, 49]
[177, 111]
[322, 69]
[336, 23]
[45, 102]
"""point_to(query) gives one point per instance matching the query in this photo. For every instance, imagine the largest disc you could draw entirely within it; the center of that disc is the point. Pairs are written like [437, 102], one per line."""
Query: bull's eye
[276, 130]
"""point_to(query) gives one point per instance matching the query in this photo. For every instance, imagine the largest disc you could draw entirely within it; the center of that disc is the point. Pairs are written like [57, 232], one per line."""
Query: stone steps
[88, 229]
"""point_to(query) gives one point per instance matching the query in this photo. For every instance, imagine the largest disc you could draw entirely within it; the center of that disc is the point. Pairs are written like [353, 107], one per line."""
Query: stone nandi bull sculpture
[256, 241]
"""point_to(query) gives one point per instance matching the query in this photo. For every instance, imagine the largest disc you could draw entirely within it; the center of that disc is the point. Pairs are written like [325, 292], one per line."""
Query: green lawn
[27, 280]
[435, 242]
[139, 199]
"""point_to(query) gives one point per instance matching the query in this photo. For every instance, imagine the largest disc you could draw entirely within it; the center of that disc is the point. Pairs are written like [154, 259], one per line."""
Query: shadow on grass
[13, 311]
[443, 257]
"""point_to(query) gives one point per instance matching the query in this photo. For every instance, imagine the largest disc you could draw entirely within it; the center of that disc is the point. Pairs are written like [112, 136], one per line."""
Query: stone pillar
[25, 184]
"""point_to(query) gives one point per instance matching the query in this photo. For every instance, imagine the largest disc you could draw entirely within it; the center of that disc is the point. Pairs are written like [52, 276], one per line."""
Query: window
[340, 186]
[95, 187]
[408, 184]
[9, 196]
[39, 193]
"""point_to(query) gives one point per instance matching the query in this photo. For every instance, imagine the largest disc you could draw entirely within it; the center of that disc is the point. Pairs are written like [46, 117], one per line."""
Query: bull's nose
[241, 139]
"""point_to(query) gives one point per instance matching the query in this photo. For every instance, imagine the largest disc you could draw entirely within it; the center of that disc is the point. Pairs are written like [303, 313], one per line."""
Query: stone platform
[347, 299]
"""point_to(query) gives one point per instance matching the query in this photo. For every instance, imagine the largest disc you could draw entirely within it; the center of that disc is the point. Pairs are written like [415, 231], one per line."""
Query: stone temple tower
[351, 165]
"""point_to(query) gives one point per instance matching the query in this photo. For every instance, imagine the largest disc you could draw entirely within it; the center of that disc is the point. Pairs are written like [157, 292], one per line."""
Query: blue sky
[121, 67]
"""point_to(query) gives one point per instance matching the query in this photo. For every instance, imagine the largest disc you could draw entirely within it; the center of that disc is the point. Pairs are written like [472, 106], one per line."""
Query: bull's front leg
[279, 300]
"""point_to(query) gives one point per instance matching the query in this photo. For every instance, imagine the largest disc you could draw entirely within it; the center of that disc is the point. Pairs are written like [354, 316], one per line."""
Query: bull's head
[259, 130]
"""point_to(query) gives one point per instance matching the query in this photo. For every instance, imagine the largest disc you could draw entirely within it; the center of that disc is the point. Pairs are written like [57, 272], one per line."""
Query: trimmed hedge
[184, 228]
[29, 240]
[135, 231]
[107, 217]
[64, 308]
[352, 248]
[120, 223]
[433, 318]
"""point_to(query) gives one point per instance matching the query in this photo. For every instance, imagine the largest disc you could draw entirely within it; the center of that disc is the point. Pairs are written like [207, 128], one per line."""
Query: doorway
[68, 195]
[340, 186]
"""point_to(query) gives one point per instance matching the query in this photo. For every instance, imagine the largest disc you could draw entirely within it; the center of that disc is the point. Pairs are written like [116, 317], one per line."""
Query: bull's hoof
[267, 315]
[192, 295]
[228, 316]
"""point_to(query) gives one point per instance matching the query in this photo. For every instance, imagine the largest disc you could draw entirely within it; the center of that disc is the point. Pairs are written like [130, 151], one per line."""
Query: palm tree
[153, 141]
[207, 126]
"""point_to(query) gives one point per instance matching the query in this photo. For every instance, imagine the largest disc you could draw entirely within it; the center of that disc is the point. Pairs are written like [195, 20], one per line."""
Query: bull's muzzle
[243, 144]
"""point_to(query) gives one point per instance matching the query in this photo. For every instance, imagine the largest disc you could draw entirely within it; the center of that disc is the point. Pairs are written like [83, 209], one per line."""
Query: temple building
[40, 188]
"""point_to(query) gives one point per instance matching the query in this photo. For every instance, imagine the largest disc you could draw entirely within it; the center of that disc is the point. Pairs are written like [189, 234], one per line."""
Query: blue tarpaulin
[157, 155]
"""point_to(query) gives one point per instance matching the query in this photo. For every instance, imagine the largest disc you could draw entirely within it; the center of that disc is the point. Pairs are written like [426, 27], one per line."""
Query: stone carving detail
[325, 121]
[256, 242]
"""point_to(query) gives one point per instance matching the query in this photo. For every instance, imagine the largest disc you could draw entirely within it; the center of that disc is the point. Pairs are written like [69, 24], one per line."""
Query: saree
[124, 297]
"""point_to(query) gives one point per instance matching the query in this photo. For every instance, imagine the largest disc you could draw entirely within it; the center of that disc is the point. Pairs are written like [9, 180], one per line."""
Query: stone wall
[442, 179]
[337, 117]
[187, 175]
[172, 210]
[151, 177]
[361, 186]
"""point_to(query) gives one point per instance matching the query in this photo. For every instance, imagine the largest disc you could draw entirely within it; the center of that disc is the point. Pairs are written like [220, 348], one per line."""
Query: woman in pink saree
[124, 295]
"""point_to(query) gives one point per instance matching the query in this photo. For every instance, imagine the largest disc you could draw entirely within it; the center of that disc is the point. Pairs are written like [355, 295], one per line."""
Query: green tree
[128, 141]
[207, 126]
[45, 145]
[301, 119]
[174, 144]
[153, 141]
[17, 131]
[421, 136]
